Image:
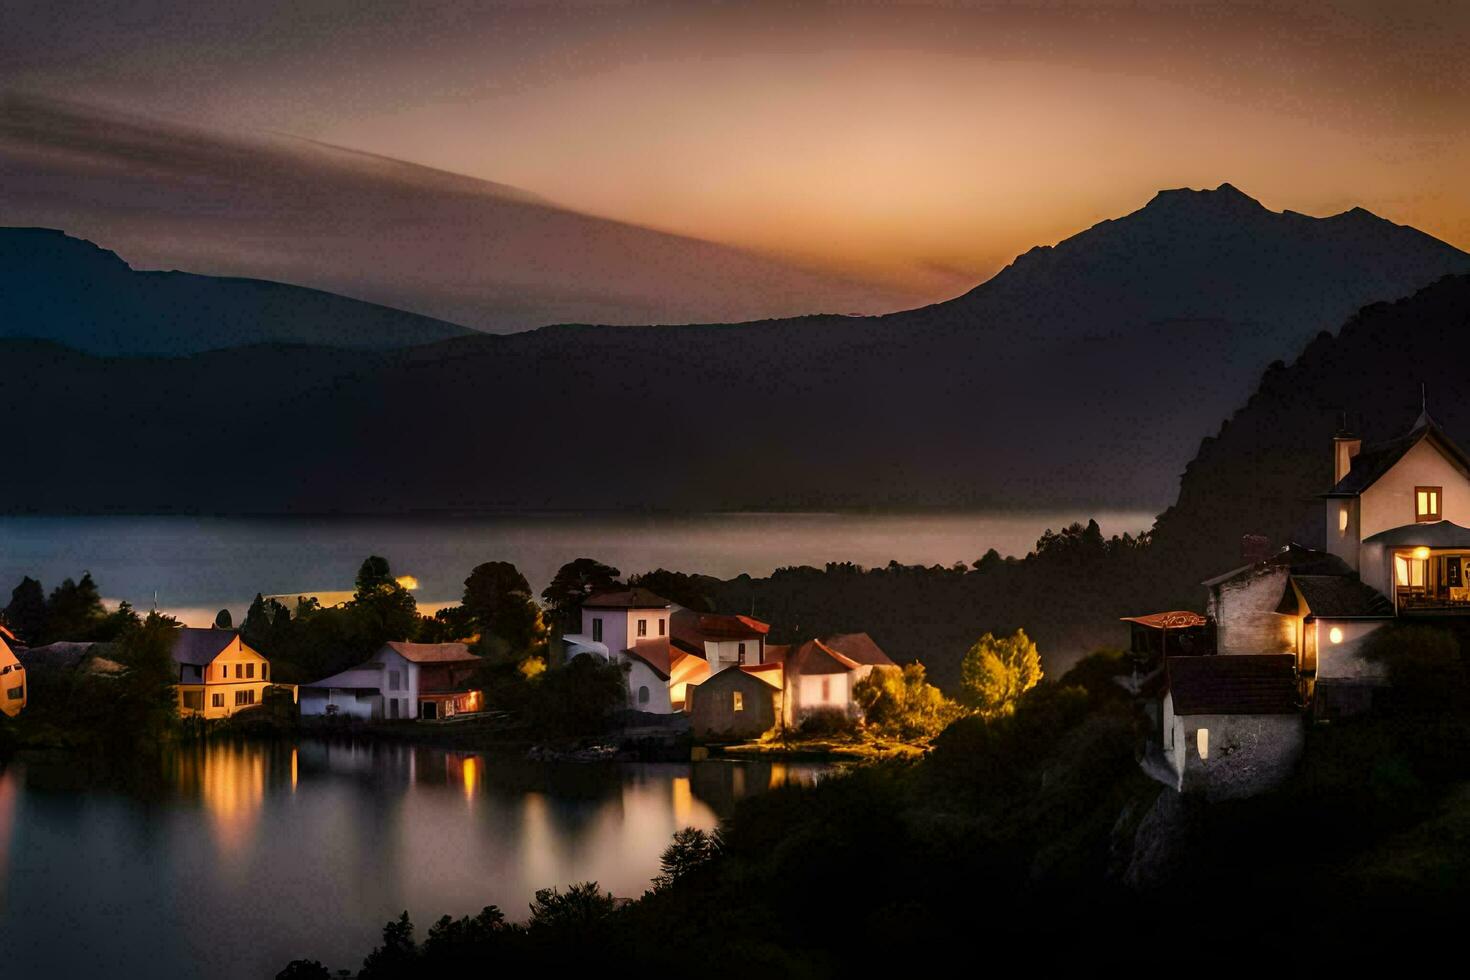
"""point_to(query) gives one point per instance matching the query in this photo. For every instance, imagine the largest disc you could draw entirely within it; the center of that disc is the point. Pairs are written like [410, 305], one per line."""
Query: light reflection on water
[240, 857]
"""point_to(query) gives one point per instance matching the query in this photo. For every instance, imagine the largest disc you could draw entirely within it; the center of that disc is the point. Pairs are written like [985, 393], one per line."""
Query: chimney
[1345, 446]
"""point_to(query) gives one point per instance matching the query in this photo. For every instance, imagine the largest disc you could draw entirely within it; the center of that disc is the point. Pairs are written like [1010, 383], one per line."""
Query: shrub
[826, 721]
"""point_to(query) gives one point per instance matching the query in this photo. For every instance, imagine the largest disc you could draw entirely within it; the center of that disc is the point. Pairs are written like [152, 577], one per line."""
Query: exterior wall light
[1335, 635]
[1342, 518]
[1421, 553]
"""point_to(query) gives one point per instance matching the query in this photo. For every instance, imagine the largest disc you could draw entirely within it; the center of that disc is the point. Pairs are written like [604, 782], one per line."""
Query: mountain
[55, 287]
[473, 252]
[1082, 376]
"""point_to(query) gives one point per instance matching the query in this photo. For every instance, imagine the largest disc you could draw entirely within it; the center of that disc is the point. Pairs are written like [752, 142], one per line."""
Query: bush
[902, 704]
[826, 721]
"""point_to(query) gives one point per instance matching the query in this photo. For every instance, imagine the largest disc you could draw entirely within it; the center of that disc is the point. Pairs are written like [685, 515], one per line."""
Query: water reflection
[309, 848]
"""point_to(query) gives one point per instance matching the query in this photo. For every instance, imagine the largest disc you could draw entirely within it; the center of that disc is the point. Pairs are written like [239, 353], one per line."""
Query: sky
[922, 145]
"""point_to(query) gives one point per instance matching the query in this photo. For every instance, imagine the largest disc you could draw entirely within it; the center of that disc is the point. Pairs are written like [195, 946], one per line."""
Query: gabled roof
[859, 647]
[811, 657]
[772, 675]
[1234, 684]
[1307, 561]
[636, 597]
[1374, 461]
[200, 646]
[697, 627]
[654, 652]
[431, 653]
[1334, 597]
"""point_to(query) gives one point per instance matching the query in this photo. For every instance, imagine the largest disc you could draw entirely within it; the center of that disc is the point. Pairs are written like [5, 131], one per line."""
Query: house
[820, 674]
[12, 677]
[721, 640]
[630, 626]
[218, 674]
[740, 702]
[1232, 726]
[1397, 548]
[401, 681]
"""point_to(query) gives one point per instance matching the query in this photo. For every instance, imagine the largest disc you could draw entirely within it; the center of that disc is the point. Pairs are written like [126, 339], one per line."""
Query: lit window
[1342, 518]
[739, 701]
[1202, 742]
[1426, 503]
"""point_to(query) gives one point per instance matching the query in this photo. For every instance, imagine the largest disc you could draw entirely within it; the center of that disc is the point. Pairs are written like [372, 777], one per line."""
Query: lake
[195, 566]
[237, 858]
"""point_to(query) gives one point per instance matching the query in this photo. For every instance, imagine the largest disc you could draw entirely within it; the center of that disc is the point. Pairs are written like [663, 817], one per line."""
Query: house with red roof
[401, 681]
[819, 675]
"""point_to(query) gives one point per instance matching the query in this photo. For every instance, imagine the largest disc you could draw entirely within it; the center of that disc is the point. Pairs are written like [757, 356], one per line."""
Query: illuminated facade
[218, 674]
[403, 681]
[13, 691]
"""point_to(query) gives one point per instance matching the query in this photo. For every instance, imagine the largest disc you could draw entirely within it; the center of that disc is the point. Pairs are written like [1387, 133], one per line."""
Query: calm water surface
[237, 858]
[198, 565]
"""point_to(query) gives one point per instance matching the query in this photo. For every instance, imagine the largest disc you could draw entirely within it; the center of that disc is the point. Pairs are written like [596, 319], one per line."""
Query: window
[250, 671]
[597, 629]
[217, 700]
[394, 680]
[643, 694]
[243, 698]
[393, 708]
[642, 627]
[265, 671]
[826, 689]
[239, 671]
[740, 654]
[738, 702]
[662, 624]
[1426, 503]
[6, 669]
[15, 693]
[194, 700]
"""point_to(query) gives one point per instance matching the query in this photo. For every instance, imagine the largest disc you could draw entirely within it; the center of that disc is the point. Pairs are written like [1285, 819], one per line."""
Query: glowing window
[1342, 518]
[1426, 503]
[738, 701]
[1202, 742]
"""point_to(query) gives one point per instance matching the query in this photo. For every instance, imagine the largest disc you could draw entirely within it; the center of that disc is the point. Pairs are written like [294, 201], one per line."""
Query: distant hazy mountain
[470, 251]
[54, 287]
[1082, 375]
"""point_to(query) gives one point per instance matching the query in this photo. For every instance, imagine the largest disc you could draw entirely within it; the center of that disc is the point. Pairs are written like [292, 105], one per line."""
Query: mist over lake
[197, 565]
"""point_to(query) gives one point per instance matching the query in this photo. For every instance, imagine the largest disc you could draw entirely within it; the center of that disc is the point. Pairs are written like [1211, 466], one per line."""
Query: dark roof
[1300, 559]
[859, 647]
[1374, 461]
[432, 653]
[1335, 597]
[1234, 684]
[655, 653]
[1428, 534]
[714, 626]
[200, 646]
[811, 657]
[636, 597]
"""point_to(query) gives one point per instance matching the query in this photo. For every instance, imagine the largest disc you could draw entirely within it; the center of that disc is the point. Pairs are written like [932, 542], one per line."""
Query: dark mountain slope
[54, 287]
[1260, 474]
[1083, 377]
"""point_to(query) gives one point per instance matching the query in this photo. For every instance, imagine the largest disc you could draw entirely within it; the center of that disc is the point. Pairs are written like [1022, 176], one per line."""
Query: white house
[630, 626]
[402, 681]
[820, 674]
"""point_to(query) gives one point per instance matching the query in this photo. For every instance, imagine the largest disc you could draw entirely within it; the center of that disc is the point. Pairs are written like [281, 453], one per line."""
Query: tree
[146, 705]
[74, 611]
[689, 591]
[903, 703]
[582, 906]
[26, 614]
[304, 970]
[223, 620]
[394, 959]
[998, 670]
[577, 698]
[498, 597]
[389, 609]
[572, 584]
[690, 850]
